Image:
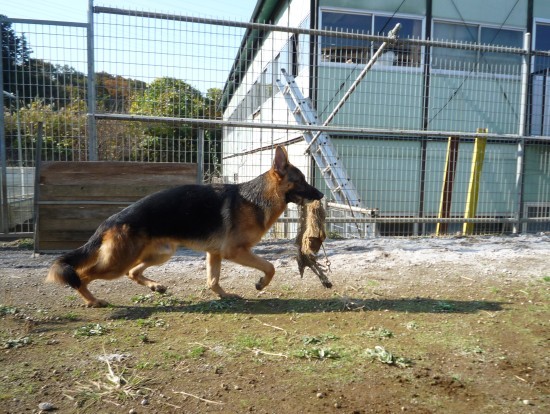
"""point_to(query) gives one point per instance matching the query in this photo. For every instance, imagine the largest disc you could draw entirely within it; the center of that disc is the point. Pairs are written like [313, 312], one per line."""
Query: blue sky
[75, 10]
[198, 54]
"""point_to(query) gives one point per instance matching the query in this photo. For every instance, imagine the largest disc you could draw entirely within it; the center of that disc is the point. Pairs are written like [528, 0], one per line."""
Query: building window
[542, 42]
[340, 49]
[472, 60]
[336, 49]
[403, 55]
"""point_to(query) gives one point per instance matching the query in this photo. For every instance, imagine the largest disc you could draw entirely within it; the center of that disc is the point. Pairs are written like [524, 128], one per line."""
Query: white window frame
[479, 26]
[373, 14]
[537, 20]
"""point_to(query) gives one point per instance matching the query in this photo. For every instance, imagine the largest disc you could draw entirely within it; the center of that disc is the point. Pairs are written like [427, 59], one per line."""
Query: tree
[15, 54]
[169, 97]
[114, 92]
[213, 136]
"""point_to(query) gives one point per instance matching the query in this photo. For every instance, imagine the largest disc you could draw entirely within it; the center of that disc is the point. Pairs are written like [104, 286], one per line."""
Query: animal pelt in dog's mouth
[311, 235]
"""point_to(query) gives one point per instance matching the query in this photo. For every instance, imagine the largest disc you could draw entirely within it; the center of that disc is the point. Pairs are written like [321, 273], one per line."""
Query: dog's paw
[98, 303]
[159, 288]
[260, 284]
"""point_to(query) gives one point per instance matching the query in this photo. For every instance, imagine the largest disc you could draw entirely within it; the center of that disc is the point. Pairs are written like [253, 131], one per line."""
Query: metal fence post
[200, 156]
[4, 225]
[37, 168]
[91, 126]
[525, 70]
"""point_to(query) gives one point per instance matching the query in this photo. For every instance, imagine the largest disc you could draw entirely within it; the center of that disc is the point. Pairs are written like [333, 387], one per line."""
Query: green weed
[321, 339]
[172, 356]
[17, 343]
[442, 306]
[196, 352]
[8, 310]
[411, 326]
[70, 316]
[91, 329]
[248, 342]
[150, 323]
[317, 353]
[379, 353]
[378, 333]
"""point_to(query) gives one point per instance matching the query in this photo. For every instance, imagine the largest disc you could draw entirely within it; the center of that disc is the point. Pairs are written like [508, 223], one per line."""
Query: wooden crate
[74, 198]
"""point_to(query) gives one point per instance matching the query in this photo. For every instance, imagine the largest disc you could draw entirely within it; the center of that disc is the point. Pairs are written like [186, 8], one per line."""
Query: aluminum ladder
[320, 145]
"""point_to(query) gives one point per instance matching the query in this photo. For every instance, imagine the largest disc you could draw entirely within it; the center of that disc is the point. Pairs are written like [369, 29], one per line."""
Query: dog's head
[292, 180]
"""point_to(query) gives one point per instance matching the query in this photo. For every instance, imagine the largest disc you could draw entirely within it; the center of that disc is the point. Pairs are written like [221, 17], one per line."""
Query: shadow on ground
[281, 306]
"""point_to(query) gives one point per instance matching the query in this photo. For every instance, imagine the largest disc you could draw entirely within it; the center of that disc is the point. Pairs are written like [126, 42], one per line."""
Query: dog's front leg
[213, 270]
[245, 257]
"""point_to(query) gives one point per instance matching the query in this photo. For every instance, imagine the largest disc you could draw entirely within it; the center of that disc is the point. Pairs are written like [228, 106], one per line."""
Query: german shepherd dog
[225, 220]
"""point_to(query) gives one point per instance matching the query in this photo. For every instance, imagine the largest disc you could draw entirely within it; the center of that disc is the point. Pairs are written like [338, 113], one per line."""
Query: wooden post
[478, 157]
[448, 181]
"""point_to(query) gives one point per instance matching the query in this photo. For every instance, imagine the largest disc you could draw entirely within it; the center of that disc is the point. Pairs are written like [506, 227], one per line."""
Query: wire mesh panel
[44, 80]
[433, 136]
[161, 66]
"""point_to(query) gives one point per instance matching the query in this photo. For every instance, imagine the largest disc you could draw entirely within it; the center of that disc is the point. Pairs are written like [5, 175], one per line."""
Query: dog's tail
[64, 268]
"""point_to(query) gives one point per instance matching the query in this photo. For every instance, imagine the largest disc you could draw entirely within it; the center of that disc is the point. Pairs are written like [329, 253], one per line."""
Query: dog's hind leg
[154, 254]
[136, 274]
[213, 270]
[91, 300]
[245, 257]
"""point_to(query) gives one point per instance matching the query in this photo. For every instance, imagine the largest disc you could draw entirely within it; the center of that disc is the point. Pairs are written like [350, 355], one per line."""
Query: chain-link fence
[425, 137]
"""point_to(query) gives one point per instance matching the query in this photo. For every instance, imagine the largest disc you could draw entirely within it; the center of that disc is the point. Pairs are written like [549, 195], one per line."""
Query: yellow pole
[448, 181]
[478, 157]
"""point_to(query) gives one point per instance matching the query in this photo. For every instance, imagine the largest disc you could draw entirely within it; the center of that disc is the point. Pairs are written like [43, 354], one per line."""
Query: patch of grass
[546, 279]
[248, 342]
[411, 326]
[167, 301]
[317, 353]
[26, 244]
[379, 353]
[17, 343]
[70, 316]
[91, 329]
[321, 339]
[474, 350]
[150, 323]
[216, 305]
[8, 310]
[196, 352]
[172, 356]
[119, 383]
[6, 396]
[142, 298]
[372, 283]
[442, 306]
[164, 300]
[378, 333]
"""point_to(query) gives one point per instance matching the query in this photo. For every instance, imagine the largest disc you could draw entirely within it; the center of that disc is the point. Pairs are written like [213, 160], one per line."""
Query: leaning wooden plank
[67, 173]
[74, 197]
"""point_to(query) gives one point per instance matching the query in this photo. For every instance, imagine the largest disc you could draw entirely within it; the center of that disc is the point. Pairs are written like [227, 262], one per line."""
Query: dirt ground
[453, 325]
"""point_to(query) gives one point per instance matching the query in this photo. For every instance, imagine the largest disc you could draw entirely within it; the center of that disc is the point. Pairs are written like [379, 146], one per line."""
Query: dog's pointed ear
[280, 162]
